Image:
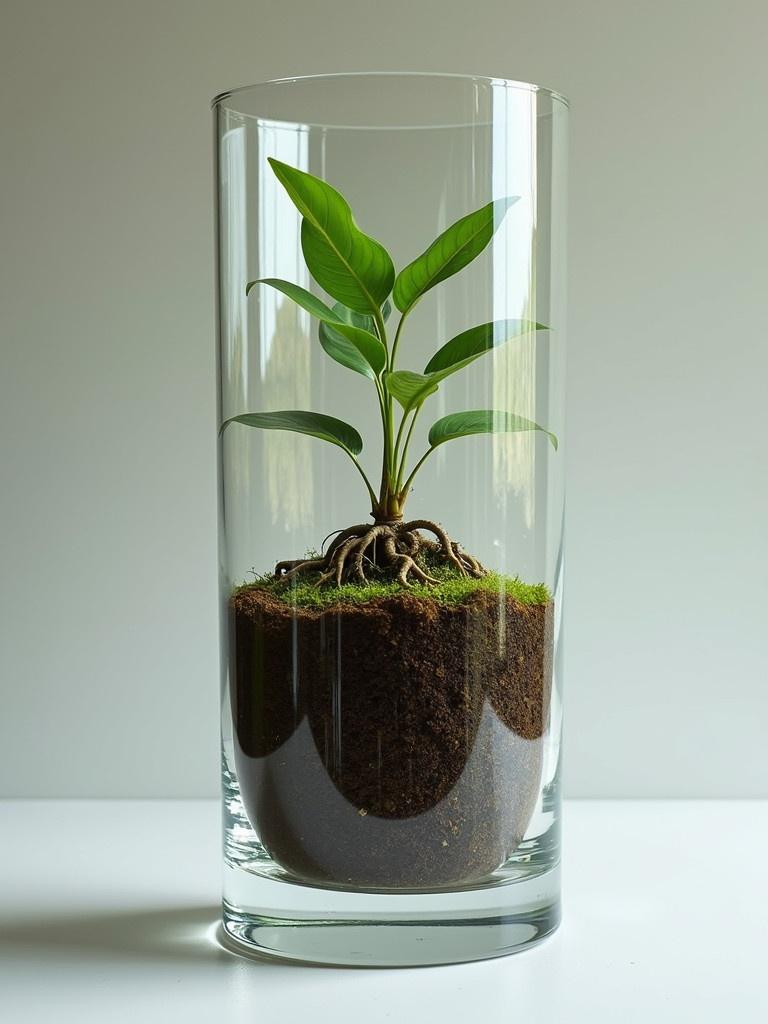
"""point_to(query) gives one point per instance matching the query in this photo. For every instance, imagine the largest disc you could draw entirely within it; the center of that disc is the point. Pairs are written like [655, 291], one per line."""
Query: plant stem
[391, 437]
[400, 436]
[381, 328]
[404, 455]
[367, 482]
[387, 421]
[406, 486]
[382, 399]
[390, 469]
[395, 343]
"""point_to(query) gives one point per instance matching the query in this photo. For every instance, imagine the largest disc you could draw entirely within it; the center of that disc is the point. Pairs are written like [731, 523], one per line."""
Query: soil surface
[395, 743]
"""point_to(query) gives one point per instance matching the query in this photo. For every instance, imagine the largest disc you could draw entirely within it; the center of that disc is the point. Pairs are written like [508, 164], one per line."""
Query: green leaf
[352, 267]
[364, 320]
[300, 295]
[327, 428]
[341, 348]
[481, 421]
[353, 344]
[368, 357]
[467, 346]
[410, 389]
[457, 246]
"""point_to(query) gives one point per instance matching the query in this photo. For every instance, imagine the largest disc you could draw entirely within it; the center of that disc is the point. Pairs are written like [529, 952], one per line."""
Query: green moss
[452, 588]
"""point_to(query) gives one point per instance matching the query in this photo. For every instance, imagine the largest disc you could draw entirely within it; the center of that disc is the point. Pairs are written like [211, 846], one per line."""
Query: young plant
[357, 271]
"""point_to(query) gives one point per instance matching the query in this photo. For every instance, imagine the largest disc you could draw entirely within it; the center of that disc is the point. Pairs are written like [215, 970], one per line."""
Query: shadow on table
[182, 934]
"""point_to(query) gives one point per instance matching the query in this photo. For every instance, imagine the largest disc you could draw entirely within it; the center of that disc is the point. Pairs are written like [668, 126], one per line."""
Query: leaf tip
[279, 168]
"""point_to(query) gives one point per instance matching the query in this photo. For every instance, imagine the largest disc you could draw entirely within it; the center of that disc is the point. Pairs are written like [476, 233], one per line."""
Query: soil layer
[393, 744]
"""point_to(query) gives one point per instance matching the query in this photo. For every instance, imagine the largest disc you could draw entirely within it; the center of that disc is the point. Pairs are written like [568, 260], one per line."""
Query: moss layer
[452, 589]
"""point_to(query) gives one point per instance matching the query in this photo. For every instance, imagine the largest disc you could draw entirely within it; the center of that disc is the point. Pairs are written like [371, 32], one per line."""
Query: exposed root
[405, 563]
[368, 540]
[289, 568]
[390, 546]
[469, 562]
[446, 543]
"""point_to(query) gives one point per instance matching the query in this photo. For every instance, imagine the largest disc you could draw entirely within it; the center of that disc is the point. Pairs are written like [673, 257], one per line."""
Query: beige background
[108, 654]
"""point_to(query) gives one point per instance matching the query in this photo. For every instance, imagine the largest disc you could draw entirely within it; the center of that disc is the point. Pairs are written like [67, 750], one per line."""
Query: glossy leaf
[300, 295]
[354, 343]
[344, 351]
[363, 320]
[457, 246]
[410, 389]
[467, 346]
[481, 421]
[327, 428]
[341, 348]
[350, 265]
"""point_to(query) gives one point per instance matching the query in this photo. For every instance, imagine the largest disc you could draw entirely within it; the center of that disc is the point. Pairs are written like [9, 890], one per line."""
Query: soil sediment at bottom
[395, 743]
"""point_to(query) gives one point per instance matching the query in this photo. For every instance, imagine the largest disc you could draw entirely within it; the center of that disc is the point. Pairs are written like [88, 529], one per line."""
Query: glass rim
[219, 101]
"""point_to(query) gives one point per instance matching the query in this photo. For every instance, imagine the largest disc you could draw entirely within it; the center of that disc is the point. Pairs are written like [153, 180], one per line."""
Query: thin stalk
[385, 408]
[390, 438]
[381, 329]
[396, 342]
[388, 426]
[404, 456]
[393, 444]
[367, 482]
[399, 437]
[382, 398]
[416, 468]
[385, 462]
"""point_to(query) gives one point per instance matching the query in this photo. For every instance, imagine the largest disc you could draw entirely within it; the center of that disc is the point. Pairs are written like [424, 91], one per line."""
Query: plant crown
[358, 273]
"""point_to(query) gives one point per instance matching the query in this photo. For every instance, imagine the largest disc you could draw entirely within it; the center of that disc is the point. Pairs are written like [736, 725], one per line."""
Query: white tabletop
[109, 913]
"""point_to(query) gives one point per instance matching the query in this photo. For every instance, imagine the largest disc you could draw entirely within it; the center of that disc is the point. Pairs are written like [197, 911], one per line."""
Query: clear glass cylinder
[391, 289]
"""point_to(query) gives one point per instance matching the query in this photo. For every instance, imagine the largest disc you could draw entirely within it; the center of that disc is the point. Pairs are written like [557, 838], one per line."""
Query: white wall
[108, 659]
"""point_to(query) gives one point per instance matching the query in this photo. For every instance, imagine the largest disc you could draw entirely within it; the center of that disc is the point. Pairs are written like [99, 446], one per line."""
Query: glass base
[270, 913]
[319, 926]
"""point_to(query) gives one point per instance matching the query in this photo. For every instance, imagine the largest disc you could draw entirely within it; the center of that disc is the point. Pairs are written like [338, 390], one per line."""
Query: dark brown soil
[391, 744]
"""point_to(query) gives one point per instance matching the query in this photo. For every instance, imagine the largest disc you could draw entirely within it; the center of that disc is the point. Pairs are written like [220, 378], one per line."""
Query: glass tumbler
[391, 331]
